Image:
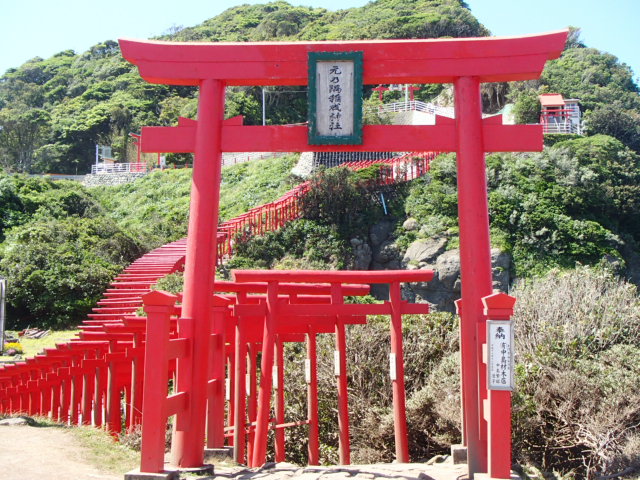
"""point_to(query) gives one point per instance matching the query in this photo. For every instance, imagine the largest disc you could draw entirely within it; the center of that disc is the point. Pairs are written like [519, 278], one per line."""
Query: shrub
[56, 269]
[576, 407]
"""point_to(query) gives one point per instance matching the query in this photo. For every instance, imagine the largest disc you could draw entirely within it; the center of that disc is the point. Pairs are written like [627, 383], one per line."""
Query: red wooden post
[475, 261]
[253, 394]
[158, 307]
[463, 426]
[217, 363]
[341, 379]
[240, 396]
[311, 372]
[397, 376]
[264, 395]
[279, 370]
[230, 392]
[187, 447]
[499, 306]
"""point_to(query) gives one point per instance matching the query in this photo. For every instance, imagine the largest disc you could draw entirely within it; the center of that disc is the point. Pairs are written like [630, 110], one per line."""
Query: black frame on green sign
[356, 137]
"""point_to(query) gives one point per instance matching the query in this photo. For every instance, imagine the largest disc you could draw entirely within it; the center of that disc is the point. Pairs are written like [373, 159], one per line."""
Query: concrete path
[386, 471]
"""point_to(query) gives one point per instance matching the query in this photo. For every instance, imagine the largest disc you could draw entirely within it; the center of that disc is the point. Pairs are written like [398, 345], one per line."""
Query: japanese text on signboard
[500, 354]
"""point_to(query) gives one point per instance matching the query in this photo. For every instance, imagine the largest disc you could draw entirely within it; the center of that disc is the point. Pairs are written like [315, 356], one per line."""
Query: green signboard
[335, 98]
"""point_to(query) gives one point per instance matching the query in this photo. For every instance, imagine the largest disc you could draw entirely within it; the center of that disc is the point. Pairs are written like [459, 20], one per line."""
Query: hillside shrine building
[464, 62]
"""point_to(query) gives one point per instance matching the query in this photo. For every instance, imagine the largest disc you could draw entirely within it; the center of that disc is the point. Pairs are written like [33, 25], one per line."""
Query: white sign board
[393, 368]
[334, 98]
[307, 370]
[500, 367]
[336, 363]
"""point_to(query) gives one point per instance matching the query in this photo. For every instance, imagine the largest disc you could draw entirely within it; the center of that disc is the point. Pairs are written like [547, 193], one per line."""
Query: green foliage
[153, 209]
[569, 204]
[526, 107]
[53, 111]
[343, 198]
[301, 244]
[172, 283]
[58, 267]
[247, 185]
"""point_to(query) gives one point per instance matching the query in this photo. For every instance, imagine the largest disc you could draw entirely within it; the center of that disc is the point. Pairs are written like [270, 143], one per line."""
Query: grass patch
[33, 346]
[104, 452]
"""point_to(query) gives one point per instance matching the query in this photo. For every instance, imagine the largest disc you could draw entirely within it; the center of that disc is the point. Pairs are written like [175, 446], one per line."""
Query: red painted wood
[475, 261]
[280, 406]
[312, 399]
[399, 396]
[393, 61]
[158, 306]
[264, 395]
[197, 302]
[380, 138]
[499, 306]
[333, 276]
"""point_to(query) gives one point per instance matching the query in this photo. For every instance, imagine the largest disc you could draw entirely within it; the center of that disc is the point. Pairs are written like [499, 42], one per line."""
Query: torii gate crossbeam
[466, 63]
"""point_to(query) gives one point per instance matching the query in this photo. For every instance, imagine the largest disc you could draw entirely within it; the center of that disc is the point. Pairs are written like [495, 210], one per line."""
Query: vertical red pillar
[240, 396]
[253, 395]
[311, 373]
[158, 307]
[396, 364]
[187, 447]
[217, 364]
[266, 366]
[475, 262]
[341, 379]
[279, 433]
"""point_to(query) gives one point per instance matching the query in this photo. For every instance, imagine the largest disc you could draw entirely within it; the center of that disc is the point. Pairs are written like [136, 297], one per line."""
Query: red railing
[98, 378]
[274, 215]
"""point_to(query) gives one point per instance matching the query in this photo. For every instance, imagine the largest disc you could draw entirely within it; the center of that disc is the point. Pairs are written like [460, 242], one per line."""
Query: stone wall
[110, 179]
[380, 252]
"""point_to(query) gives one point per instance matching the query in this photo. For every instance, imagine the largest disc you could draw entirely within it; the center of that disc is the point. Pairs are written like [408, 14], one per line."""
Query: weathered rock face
[424, 251]
[381, 253]
[362, 254]
[410, 224]
[304, 167]
[445, 288]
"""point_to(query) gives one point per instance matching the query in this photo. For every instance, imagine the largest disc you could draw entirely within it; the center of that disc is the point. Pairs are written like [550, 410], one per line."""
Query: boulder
[381, 231]
[362, 255]
[410, 224]
[424, 250]
[446, 286]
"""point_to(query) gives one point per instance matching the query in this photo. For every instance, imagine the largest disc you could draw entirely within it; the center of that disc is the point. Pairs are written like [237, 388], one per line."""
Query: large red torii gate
[464, 62]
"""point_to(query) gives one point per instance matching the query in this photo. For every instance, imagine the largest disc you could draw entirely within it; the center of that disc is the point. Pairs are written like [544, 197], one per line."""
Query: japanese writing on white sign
[500, 354]
[334, 98]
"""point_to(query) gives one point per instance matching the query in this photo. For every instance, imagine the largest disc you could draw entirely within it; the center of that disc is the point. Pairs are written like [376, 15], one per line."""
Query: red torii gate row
[293, 310]
[464, 62]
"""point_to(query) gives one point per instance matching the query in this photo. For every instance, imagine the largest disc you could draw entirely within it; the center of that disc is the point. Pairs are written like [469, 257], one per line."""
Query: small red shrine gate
[464, 62]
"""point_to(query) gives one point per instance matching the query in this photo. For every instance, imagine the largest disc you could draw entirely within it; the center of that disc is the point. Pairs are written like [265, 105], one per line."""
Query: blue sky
[30, 28]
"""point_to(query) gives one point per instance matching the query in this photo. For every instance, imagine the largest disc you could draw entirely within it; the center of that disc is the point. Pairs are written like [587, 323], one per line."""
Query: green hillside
[568, 216]
[54, 111]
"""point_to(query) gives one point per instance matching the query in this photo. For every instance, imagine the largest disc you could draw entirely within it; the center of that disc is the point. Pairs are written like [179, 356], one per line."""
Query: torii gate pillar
[197, 303]
[475, 263]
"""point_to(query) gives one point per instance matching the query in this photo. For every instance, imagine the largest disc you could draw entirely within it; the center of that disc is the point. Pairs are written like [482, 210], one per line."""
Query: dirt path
[37, 453]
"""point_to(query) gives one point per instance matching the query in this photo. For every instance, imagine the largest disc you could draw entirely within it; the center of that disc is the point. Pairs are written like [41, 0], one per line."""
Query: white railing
[233, 158]
[418, 106]
[561, 127]
[102, 168]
